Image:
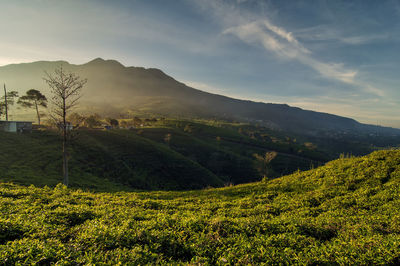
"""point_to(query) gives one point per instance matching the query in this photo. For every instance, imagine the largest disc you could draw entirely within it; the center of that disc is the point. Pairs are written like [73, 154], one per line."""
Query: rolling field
[345, 212]
[195, 156]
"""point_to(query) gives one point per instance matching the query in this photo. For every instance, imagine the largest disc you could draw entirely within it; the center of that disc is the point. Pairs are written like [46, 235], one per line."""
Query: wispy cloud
[283, 44]
[328, 33]
[363, 39]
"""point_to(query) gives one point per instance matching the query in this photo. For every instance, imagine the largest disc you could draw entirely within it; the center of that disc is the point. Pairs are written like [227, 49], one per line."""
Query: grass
[345, 212]
[198, 155]
[228, 165]
[241, 140]
[104, 161]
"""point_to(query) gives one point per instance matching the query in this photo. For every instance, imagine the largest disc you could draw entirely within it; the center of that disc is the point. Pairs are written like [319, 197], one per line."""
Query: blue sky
[340, 57]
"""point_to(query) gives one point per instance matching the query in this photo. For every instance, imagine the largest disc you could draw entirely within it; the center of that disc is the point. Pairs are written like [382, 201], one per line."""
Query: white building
[15, 126]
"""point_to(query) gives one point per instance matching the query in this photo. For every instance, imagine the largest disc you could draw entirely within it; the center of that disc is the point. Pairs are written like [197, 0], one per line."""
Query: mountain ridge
[113, 88]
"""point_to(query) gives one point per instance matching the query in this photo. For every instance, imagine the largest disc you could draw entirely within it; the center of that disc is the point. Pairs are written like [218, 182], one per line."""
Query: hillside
[100, 160]
[196, 156]
[343, 213]
[113, 89]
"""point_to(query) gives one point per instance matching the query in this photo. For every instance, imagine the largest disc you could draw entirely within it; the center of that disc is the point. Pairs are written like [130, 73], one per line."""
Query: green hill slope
[100, 160]
[196, 156]
[221, 148]
[343, 213]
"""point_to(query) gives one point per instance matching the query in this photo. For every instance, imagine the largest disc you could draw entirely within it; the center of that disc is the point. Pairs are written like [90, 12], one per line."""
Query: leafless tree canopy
[66, 91]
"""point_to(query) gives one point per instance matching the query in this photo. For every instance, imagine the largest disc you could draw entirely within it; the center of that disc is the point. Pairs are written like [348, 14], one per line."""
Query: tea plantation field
[346, 212]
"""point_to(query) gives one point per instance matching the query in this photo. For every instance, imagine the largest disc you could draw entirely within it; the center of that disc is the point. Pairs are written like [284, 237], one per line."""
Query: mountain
[346, 212]
[113, 89]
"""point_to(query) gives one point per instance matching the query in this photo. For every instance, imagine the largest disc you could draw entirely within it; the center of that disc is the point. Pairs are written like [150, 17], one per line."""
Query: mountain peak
[115, 87]
[96, 60]
[101, 61]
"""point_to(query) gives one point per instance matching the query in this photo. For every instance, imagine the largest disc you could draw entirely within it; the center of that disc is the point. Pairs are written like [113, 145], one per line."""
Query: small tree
[137, 121]
[2, 109]
[33, 98]
[263, 163]
[66, 91]
[218, 138]
[167, 138]
[92, 121]
[7, 100]
[112, 122]
[124, 124]
[188, 128]
[76, 119]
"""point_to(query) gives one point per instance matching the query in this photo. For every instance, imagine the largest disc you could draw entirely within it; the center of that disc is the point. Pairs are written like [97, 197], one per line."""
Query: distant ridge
[113, 89]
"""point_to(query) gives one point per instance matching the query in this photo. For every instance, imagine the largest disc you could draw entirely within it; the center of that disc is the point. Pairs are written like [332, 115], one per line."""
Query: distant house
[16, 126]
[68, 126]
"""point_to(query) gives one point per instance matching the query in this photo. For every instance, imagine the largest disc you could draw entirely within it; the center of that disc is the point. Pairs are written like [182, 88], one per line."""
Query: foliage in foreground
[345, 212]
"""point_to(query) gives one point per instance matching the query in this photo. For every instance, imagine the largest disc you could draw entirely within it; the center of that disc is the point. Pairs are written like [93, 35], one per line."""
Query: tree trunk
[65, 163]
[37, 112]
[65, 152]
[5, 101]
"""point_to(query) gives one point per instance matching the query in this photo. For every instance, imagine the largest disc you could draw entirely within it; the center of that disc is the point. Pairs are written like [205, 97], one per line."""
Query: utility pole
[5, 101]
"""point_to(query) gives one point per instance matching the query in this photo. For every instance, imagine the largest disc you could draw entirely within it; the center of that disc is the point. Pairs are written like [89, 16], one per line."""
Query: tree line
[32, 99]
[65, 88]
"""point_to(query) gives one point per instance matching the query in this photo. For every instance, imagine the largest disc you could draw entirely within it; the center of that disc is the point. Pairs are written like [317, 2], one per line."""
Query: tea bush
[346, 212]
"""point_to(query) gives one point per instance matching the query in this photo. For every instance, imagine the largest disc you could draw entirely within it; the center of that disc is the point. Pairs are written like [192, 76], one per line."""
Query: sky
[339, 57]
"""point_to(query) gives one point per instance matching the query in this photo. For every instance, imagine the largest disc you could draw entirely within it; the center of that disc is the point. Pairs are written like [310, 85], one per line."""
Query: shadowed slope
[100, 160]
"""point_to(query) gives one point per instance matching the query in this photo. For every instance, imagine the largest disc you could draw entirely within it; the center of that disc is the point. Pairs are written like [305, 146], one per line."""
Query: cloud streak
[283, 44]
[327, 33]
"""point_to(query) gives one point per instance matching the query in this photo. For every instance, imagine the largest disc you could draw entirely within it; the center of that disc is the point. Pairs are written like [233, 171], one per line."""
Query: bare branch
[66, 92]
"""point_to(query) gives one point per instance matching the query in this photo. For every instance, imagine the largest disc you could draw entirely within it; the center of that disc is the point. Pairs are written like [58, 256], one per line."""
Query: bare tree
[33, 98]
[5, 104]
[2, 109]
[263, 163]
[6, 101]
[66, 90]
